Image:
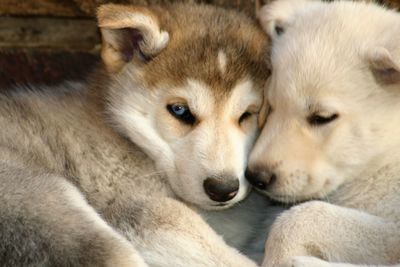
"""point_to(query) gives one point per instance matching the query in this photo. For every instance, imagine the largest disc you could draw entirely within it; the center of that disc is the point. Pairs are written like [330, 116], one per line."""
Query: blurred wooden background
[41, 39]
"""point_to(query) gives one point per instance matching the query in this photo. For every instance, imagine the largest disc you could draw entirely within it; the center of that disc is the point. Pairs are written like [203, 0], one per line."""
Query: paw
[305, 261]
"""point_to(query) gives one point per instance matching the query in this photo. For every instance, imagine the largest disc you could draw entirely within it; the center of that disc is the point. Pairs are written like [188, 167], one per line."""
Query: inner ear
[383, 66]
[130, 43]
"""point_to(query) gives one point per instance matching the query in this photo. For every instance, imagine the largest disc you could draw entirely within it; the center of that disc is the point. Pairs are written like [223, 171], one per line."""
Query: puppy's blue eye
[179, 110]
[182, 113]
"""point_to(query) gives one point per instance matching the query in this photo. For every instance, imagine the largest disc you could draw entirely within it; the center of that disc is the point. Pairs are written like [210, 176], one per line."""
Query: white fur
[280, 14]
[304, 261]
[330, 61]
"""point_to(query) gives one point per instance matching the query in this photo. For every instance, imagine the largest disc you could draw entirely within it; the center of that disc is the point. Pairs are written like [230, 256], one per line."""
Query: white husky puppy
[332, 133]
[114, 172]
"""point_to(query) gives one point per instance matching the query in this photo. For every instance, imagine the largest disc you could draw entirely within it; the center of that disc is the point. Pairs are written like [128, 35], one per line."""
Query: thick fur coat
[332, 133]
[116, 172]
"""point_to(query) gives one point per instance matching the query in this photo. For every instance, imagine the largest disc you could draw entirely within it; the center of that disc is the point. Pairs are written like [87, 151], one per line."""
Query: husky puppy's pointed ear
[384, 66]
[278, 15]
[129, 33]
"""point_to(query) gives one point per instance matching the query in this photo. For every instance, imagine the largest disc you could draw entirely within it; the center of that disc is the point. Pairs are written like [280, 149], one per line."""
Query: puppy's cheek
[289, 185]
[328, 177]
[307, 185]
[326, 184]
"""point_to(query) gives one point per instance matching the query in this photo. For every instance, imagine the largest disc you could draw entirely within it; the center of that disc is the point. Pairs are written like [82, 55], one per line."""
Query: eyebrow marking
[222, 61]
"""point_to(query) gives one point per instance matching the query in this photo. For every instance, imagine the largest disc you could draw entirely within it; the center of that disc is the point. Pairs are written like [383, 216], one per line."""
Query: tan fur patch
[193, 49]
[118, 16]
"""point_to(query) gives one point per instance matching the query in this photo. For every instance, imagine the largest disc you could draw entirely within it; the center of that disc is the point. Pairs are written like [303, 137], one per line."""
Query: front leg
[168, 233]
[331, 233]
[306, 261]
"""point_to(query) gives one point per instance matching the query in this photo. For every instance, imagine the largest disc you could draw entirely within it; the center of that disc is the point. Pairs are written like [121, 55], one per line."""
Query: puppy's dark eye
[182, 113]
[244, 116]
[270, 110]
[318, 120]
[279, 30]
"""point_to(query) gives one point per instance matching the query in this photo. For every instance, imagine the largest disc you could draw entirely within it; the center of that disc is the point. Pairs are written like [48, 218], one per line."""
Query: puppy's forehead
[211, 45]
[312, 58]
[329, 39]
[202, 98]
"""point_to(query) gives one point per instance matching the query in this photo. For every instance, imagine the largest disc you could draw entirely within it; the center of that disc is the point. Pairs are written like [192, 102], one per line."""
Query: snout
[221, 189]
[260, 178]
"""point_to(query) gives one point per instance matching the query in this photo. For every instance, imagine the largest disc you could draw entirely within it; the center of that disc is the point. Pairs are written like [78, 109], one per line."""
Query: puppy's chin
[221, 206]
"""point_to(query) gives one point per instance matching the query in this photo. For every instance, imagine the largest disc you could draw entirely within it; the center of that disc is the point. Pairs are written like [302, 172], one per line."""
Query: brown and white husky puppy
[113, 172]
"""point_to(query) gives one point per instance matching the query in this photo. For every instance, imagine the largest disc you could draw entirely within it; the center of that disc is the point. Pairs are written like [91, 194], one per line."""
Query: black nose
[221, 189]
[260, 178]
